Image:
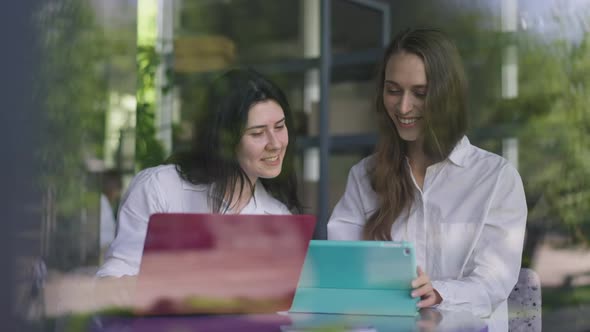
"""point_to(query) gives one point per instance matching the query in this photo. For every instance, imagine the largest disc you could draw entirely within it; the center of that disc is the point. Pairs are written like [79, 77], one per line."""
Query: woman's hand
[423, 289]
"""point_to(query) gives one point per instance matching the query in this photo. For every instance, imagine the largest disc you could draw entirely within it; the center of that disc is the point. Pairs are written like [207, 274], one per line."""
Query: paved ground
[571, 319]
[555, 265]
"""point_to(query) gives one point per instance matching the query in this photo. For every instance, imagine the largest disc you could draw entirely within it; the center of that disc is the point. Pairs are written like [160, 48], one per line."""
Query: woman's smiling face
[404, 94]
[264, 142]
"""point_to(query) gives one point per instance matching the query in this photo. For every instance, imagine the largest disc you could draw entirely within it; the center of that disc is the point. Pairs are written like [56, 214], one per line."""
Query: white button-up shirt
[467, 225]
[161, 190]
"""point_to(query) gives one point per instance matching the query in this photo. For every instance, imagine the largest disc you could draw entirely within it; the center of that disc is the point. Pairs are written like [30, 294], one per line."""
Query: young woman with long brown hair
[463, 208]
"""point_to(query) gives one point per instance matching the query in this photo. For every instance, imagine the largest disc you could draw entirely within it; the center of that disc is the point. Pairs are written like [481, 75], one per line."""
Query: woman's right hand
[423, 289]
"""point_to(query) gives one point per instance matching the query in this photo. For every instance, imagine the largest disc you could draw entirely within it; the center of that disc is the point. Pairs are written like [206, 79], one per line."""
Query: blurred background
[118, 81]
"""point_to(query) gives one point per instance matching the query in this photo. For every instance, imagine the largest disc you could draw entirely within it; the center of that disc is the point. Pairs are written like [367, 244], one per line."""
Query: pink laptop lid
[213, 263]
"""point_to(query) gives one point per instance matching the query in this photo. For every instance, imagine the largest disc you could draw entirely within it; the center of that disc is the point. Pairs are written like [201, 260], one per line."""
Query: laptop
[221, 264]
[358, 278]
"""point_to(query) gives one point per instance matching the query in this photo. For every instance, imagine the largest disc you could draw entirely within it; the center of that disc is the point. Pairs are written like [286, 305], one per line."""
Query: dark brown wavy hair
[445, 119]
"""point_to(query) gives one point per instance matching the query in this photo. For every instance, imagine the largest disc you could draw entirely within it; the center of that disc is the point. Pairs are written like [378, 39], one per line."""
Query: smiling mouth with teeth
[271, 158]
[407, 121]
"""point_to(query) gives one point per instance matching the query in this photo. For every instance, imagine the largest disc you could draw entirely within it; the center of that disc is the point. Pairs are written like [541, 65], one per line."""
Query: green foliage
[550, 116]
[558, 298]
[147, 63]
[73, 87]
[149, 151]
[555, 146]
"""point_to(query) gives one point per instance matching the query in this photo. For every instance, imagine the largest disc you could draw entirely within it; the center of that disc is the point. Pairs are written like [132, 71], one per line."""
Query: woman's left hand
[423, 289]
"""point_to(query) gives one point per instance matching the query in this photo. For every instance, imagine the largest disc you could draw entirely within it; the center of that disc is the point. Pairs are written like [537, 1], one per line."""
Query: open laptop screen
[213, 263]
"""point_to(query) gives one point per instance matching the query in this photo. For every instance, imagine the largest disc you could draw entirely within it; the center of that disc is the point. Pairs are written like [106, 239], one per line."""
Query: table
[427, 320]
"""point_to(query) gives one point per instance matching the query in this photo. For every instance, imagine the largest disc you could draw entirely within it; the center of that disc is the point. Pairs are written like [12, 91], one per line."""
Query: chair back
[524, 303]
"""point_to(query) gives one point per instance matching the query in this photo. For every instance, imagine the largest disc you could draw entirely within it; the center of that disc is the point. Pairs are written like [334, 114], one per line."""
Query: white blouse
[467, 225]
[161, 190]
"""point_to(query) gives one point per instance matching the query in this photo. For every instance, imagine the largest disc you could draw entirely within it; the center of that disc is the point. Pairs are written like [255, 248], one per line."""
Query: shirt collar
[259, 203]
[194, 187]
[460, 152]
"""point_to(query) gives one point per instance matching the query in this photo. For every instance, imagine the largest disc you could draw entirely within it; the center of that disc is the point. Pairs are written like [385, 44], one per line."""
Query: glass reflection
[528, 63]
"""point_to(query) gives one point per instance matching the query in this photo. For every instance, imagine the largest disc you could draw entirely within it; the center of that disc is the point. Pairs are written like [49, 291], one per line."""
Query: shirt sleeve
[142, 200]
[492, 270]
[107, 223]
[348, 217]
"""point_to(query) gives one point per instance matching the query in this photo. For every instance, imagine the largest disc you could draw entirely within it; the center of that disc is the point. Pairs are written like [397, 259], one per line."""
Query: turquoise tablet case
[357, 277]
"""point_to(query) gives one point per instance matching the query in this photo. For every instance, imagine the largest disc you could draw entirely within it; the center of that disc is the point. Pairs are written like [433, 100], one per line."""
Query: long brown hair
[445, 119]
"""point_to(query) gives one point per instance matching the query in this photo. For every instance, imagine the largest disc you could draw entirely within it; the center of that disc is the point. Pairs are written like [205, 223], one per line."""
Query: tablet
[357, 277]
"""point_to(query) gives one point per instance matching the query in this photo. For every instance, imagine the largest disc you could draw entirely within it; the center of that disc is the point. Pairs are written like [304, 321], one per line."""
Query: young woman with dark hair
[240, 162]
[463, 208]
[222, 128]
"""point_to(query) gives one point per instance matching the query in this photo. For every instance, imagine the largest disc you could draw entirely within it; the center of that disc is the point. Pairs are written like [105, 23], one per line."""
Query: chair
[524, 303]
